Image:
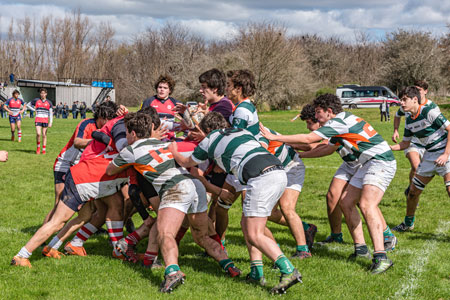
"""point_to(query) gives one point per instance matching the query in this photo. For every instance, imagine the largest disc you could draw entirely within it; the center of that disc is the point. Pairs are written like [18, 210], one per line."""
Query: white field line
[415, 270]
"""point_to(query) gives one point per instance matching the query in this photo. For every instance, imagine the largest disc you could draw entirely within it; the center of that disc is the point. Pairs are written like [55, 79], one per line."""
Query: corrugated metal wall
[69, 95]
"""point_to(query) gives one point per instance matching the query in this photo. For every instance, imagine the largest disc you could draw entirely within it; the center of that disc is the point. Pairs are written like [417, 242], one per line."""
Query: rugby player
[180, 194]
[43, 120]
[415, 151]
[427, 124]
[236, 150]
[368, 184]
[15, 108]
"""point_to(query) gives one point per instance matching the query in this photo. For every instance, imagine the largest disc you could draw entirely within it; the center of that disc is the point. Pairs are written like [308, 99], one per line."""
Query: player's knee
[447, 187]
[419, 186]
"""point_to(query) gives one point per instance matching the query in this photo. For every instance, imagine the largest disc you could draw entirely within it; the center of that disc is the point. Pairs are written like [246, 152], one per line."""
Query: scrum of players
[119, 163]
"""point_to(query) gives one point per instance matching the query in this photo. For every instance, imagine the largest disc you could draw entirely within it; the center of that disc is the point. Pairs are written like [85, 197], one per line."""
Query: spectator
[384, 111]
[11, 78]
[30, 107]
[65, 111]
[83, 108]
[2, 111]
[75, 110]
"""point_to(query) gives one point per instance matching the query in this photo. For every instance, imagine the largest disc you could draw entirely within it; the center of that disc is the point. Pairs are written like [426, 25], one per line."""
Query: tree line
[289, 69]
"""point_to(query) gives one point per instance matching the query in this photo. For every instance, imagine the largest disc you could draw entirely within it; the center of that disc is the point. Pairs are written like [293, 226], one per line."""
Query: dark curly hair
[166, 79]
[214, 79]
[411, 92]
[151, 111]
[244, 79]
[421, 83]
[308, 113]
[212, 121]
[140, 123]
[106, 110]
[326, 101]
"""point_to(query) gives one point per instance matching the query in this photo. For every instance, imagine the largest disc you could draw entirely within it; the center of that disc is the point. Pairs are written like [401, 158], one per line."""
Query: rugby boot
[171, 282]
[390, 242]
[50, 252]
[74, 250]
[20, 261]
[402, 227]
[286, 281]
[261, 281]
[380, 265]
[301, 255]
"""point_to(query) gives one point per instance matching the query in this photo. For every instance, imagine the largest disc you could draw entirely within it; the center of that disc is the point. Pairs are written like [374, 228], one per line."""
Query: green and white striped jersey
[154, 161]
[428, 127]
[245, 116]
[401, 113]
[357, 137]
[281, 151]
[231, 149]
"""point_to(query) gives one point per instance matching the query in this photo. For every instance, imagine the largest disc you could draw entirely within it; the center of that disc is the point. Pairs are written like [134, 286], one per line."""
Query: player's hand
[197, 136]
[49, 125]
[395, 136]
[160, 132]
[226, 196]
[3, 156]
[122, 110]
[266, 133]
[180, 108]
[441, 160]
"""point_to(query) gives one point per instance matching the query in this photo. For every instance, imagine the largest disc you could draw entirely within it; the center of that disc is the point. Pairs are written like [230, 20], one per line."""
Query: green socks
[387, 232]
[284, 265]
[171, 269]
[409, 220]
[337, 237]
[256, 269]
[226, 263]
[305, 226]
[303, 248]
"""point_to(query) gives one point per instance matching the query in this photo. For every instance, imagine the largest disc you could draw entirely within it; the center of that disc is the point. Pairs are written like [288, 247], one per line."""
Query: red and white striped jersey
[14, 105]
[44, 110]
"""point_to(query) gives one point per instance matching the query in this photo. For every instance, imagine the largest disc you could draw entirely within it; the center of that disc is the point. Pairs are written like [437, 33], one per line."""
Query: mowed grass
[421, 270]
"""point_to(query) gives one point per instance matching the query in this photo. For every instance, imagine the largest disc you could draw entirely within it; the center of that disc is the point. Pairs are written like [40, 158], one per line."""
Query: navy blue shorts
[15, 119]
[70, 196]
[41, 124]
[60, 177]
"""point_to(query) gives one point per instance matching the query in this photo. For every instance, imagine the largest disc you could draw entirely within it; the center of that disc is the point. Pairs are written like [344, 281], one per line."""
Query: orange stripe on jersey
[273, 145]
[353, 138]
[139, 167]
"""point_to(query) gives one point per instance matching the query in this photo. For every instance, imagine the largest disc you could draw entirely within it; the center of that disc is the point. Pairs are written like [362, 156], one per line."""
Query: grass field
[422, 258]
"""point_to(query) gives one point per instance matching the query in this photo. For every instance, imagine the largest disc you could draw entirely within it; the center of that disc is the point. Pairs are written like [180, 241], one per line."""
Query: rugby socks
[38, 148]
[133, 238]
[387, 232]
[338, 237]
[24, 253]
[302, 248]
[55, 243]
[284, 264]
[115, 232]
[172, 269]
[19, 135]
[305, 226]
[379, 254]
[43, 149]
[216, 237]
[409, 220]
[256, 269]
[83, 234]
[361, 249]
[149, 258]
[180, 234]
[226, 264]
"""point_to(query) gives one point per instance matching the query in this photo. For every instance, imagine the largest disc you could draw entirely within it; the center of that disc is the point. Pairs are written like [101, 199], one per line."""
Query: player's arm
[6, 107]
[81, 143]
[214, 189]
[443, 158]
[112, 169]
[101, 137]
[186, 162]
[24, 107]
[50, 117]
[121, 162]
[319, 151]
[307, 147]
[401, 146]
[395, 136]
[290, 139]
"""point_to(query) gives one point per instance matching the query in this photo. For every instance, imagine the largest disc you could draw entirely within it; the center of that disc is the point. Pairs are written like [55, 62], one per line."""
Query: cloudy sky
[221, 19]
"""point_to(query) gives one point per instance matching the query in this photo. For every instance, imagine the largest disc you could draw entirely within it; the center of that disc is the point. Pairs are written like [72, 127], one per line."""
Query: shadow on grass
[425, 236]
[25, 151]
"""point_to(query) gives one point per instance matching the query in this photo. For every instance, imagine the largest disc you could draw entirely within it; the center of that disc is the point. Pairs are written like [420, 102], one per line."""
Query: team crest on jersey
[169, 106]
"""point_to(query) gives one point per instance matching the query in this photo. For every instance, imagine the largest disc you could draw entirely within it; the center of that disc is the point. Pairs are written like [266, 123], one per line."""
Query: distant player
[15, 108]
[43, 120]
[427, 124]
